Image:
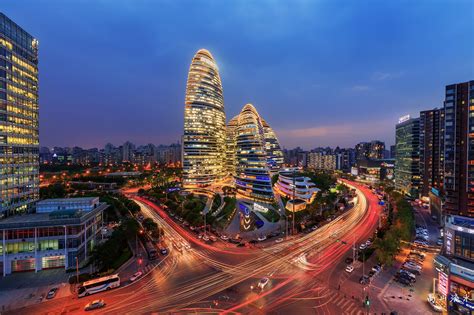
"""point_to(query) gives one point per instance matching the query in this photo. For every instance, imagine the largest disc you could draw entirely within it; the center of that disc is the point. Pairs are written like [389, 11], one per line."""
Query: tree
[150, 225]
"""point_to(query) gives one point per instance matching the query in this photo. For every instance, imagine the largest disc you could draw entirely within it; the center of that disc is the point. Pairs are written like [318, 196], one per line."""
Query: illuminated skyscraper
[272, 146]
[230, 145]
[252, 177]
[204, 147]
[19, 137]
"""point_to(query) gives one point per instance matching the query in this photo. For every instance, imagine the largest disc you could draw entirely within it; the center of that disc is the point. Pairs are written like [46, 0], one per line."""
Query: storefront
[21, 265]
[50, 262]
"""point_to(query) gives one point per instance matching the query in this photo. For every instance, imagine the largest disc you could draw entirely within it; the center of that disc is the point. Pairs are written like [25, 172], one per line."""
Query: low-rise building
[61, 234]
[292, 184]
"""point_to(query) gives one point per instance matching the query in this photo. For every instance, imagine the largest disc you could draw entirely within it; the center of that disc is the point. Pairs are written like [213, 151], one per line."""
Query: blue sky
[320, 72]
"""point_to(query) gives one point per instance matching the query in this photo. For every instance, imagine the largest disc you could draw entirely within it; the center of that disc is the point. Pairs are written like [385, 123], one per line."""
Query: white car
[362, 246]
[205, 238]
[263, 282]
[94, 305]
[261, 238]
[412, 266]
[279, 240]
[436, 307]
[224, 237]
[135, 276]
[350, 268]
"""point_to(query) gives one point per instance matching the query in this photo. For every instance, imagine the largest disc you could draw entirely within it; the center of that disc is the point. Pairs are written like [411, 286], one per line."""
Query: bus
[98, 285]
[151, 250]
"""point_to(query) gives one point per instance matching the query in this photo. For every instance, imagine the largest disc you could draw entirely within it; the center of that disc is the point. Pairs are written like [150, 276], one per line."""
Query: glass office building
[19, 136]
[204, 123]
[407, 162]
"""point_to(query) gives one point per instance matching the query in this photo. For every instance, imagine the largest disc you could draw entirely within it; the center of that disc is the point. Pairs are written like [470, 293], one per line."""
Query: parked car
[205, 238]
[349, 260]
[213, 238]
[362, 246]
[406, 276]
[412, 270]
[94, 305]
[376, 268]
[135, 276]
[404, 271]
[279, 240]
[403, 281]
[224, 237]
[350, 268]
[364, 279]
[52, 293]
[435, 306]
[261, 238]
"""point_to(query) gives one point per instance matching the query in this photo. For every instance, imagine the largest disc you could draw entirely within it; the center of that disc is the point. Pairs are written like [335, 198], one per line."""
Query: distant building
[127, 152]
[376, 170]
[323, 160]
[393, 151]
[19, 137]
[407, 168]
[61, 231]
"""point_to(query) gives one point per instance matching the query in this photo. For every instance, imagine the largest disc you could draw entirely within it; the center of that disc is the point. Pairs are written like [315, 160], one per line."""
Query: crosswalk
[345, 304]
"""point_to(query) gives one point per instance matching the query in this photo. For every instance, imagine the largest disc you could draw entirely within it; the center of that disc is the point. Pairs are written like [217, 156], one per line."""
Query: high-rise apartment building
[204, 123]
[373, 150]
[431, 150]
[407, 168]
[459, 149]
[19, 135]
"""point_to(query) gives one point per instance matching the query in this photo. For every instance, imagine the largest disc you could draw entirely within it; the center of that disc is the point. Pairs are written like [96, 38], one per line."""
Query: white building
[303, 187]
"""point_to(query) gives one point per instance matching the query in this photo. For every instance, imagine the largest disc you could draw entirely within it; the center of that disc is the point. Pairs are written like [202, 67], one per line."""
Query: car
[178, 247]
[376, 268]
[205, 238]
[412, 265]
[135, 276]
[263, 282]
[279, 240]
[186, 223]
[350, 268]
[349, 260]
[94, 305]
[364, 279]
[224, 237]
[368, 243]
[314, 228]
[362, 246]
[371, 273]
[213, 238]
[434, 305]
[186, 245]
[406, 276]
[403, 281]
[163, 251]
[420, 243]
[411, 270]
[261, 238]
[52, 293]
[417, 252]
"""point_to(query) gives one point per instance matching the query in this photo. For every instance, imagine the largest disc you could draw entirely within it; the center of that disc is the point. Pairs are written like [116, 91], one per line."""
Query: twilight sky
[320, 72]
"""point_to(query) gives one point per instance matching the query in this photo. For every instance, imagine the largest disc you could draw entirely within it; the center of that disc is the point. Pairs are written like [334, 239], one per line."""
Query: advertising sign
[462, 272]
[449, 236]
[443, 283]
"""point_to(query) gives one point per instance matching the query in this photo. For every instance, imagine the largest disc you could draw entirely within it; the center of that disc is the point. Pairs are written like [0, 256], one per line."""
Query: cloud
[383, 76]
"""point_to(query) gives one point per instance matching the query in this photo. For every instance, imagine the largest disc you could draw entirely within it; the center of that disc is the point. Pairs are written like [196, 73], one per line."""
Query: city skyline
[334, 82]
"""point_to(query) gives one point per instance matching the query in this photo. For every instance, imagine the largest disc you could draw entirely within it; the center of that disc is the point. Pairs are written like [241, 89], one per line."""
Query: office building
[292, 185]
[272, 147]
[61, 231]
[19, 134]
[252, 179]
[407, 168]
[204, 123]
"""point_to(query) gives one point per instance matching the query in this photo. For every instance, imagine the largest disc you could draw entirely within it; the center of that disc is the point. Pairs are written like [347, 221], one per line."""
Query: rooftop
[67, 200]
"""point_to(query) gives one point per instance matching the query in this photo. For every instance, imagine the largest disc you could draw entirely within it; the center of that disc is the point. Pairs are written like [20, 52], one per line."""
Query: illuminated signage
[449, 241]
[403, 119]
[443, 283]
[260, 208]
[464, 301]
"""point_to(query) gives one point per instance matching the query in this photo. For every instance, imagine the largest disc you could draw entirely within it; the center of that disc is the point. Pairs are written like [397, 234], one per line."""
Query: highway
[220, 277]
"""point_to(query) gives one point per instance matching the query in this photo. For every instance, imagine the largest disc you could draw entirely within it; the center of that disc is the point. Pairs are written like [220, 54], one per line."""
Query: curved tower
[272, 146]
[252, 177]
[230, 145]
[204, 123]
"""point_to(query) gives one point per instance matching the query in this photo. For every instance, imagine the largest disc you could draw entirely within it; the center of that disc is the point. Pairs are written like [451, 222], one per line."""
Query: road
[220, 277]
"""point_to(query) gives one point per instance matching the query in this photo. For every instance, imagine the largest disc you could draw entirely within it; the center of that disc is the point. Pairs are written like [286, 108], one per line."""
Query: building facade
[252, 179]
[431, 150]
[407, 168]
[373, 150]
[61, 232]
[19, 129]
[291, 182]
[459, 149]
[204, 123]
